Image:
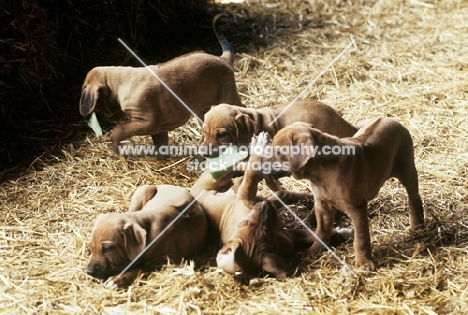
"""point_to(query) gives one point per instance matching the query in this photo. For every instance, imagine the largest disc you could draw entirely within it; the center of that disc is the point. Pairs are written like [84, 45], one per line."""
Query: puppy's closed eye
[106, 248]
[221, 134]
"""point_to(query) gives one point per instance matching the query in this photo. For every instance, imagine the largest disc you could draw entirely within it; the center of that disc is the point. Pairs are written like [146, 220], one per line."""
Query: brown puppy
[252, 234]
[118, 238]
[228, 124]
[383, 148]
[199, 79]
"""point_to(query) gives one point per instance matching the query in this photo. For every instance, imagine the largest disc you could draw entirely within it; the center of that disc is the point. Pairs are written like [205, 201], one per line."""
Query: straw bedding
[410, 62]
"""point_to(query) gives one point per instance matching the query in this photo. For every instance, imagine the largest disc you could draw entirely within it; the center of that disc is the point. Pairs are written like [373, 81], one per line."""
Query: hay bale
[48, 47]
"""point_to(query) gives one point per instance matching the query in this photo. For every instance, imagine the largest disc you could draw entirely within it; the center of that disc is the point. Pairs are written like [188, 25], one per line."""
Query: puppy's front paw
[259, 144]
[116, 282]
[314, 250]
[312, 219]
[281, 275]
[113, 145]
[262, 139]
[110, 283]
[346, 235]
[364, 264]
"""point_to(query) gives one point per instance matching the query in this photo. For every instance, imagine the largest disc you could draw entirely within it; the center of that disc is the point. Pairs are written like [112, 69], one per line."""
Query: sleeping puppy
[198, 79]
[118, 238]
[381, 149]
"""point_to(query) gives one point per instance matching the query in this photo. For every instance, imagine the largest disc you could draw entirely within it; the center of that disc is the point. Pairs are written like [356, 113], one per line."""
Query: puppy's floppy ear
[305, 142]
[134, 239]
[203, 126]
[202, 138]
[245, 128]
[270, 216]
[226, 257]
[89, 99]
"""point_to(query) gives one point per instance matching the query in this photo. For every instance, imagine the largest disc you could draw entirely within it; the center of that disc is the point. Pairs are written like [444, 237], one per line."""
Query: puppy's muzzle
[97, 271]
[210, 150]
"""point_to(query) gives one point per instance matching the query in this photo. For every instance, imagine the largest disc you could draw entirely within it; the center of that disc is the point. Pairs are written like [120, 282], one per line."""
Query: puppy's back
[320, 115]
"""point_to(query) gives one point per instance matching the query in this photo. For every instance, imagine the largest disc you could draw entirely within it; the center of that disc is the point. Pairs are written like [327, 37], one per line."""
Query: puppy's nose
[211, 155]
[209, 151]
[90, 272]
[93, 270]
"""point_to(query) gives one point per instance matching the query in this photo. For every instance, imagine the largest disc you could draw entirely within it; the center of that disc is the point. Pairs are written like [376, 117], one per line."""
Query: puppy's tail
[228, 52]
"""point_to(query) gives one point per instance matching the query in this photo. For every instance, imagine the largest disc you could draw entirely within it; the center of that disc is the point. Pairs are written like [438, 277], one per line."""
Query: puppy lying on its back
[199, 79]
[250, 231]
[118, 238]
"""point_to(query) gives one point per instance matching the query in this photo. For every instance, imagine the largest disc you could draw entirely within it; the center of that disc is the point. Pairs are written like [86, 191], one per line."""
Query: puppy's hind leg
[409, 179]
[405, 171]
[141, 196]
[159, 140]
[303, 239]
[325, 215]
[126, 130]
[228, 93]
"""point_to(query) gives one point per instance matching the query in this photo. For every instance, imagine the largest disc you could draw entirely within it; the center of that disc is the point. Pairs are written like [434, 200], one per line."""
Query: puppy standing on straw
[383, 148]
[159, 98]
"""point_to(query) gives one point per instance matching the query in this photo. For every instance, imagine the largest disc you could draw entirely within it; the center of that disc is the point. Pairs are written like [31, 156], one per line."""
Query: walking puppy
[252, 235]
[383, 149]
[199, 79]
[229, 124]
[118, 238]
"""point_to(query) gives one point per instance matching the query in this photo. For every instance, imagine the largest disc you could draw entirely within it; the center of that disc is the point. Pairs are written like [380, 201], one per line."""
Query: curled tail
[228, 53]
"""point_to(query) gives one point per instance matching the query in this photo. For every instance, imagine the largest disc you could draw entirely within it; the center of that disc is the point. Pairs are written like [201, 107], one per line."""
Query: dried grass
[410, 63]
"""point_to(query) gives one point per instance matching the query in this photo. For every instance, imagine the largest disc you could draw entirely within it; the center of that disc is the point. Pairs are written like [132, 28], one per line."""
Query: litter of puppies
[44, 238]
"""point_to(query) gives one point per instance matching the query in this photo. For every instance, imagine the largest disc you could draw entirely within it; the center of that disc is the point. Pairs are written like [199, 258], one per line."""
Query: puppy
[228, 124]
[199, 79]
[252, 235]
[118, 238]
[383, 148]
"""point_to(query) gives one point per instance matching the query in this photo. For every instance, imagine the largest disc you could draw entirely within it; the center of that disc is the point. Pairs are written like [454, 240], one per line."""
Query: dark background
[48, 47]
